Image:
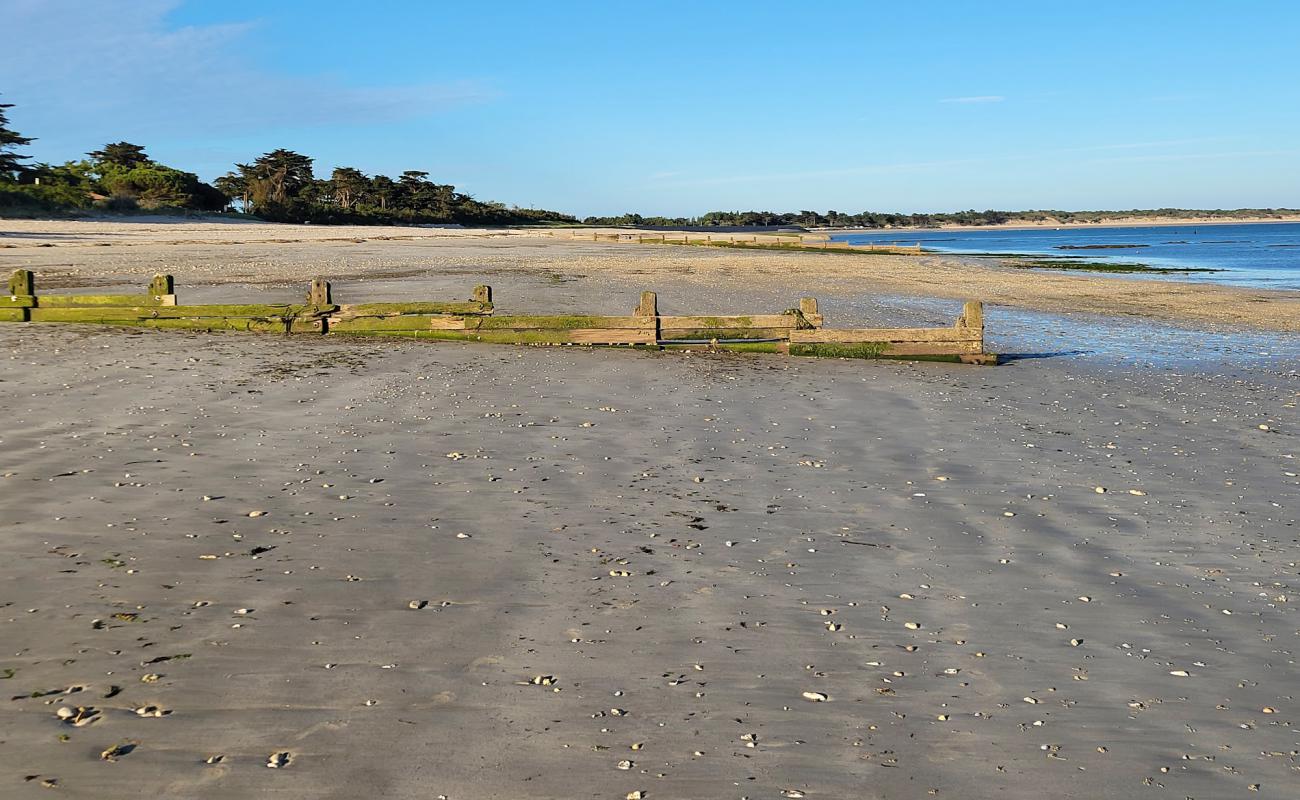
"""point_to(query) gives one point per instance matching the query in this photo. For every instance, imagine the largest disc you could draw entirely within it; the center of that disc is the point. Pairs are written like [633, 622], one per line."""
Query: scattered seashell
[278, 760]
[117, 751]
[1180, 673]
[417, 604]
[816, 697]
[625, 764]
[257, 513]
[912, 626]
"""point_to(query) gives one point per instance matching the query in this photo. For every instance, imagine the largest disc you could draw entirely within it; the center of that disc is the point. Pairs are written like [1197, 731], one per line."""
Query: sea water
[1261, 255]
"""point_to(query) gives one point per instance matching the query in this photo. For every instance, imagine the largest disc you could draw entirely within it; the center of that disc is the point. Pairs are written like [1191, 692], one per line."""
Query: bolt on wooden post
[22, 283]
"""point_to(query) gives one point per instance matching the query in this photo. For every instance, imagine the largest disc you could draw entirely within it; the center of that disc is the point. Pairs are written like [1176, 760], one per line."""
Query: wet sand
[686, 576]
[469, 571]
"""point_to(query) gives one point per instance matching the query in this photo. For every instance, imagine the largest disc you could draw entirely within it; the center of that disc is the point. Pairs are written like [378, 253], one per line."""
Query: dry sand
[466, 571]
[90, 253]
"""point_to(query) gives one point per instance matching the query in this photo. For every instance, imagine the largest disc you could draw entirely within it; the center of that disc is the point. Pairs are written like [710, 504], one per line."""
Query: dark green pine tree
[9, 140]
[122, 154]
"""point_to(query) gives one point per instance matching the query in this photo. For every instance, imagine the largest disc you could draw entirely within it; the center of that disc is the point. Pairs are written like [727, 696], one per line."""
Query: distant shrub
[118, 203]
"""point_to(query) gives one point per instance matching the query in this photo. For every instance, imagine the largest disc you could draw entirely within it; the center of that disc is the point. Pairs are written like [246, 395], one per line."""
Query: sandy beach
[264, 258]
[247, 565]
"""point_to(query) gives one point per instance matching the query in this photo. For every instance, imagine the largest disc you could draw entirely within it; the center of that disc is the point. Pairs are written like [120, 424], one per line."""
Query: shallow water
[1262, 255]
[1021, 334]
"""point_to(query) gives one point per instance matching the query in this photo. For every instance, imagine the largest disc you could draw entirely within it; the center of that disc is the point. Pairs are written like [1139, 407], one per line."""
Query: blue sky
[682, 107]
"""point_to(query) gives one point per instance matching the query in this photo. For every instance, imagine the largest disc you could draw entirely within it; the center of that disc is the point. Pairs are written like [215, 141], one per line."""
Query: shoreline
[1175, 222]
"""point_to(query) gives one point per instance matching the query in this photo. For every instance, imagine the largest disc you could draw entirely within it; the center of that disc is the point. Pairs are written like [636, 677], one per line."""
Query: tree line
[279, 185]
[874, 219]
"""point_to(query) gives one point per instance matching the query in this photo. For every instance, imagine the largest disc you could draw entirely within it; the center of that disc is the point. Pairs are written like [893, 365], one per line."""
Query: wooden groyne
[797, 331]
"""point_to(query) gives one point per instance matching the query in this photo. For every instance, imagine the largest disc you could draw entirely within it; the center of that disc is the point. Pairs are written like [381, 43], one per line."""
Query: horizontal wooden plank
[523, 323]
[386, 309]
[127, 313]
[883, 349]
[440, 323]
[607, 336]
[735, 347]
[406, 322]
[261, 324]
[725, 333]
[932, 348]
[849, 335]
[17, 301]
[531, 337]
[93, 300]
[13, 314]
[307, 325]
[735, 321]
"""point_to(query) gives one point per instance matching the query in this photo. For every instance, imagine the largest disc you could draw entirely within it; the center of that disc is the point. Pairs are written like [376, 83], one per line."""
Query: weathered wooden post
[808, 310]
[649, 305]
[163, 289]
[972, 316]
[649, 308]
[22, 283]
[319, 295]
[482, 294]
[22, 296]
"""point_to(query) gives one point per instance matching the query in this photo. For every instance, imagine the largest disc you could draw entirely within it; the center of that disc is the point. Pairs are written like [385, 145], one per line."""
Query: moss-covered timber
[725, 333]
[84, 300]
[127, 314]
[467, 307]
[562, 322]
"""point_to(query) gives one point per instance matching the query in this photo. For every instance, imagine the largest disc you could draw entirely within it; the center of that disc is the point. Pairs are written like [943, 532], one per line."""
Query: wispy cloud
[982, 98]
[123, 70]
